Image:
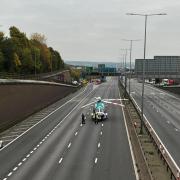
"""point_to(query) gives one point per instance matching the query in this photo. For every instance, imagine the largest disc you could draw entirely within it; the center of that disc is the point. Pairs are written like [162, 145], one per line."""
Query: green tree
[2, 60]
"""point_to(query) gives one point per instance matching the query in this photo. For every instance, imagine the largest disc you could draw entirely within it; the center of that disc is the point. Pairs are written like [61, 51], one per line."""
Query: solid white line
[99, 145]
[64, 119]
[69, 145]
[45, 118]
[129, 142]
[60, 161]
[96, 159]
[158, 138]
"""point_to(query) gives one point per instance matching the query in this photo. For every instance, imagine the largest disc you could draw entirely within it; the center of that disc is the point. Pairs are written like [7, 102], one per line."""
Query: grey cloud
[93, 29]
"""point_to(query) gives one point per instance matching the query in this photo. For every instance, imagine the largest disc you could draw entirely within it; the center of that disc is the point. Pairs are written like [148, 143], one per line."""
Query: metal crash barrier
[171, 164]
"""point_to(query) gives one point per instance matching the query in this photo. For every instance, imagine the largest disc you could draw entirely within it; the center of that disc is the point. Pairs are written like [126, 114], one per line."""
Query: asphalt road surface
[162, 109]
[61, 148]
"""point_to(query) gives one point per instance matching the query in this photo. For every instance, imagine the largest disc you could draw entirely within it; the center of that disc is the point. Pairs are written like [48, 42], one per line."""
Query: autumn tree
[39, 37]
[19, 54]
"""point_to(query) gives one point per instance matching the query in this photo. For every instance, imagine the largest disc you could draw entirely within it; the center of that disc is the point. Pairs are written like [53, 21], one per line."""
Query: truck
[167, 82]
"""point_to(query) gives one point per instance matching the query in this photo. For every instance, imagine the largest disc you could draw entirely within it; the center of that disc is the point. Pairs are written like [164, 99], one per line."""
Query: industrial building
[159, 67]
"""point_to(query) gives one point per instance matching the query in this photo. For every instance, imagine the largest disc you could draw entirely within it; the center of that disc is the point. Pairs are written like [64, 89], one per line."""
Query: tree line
[21, 55]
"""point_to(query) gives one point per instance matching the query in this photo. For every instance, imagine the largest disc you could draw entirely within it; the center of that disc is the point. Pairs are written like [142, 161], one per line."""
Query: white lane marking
[15, 168]
[176, 129]
[64, 118]
[76, 133]
[38, 145]
[99, 145]
[28, 155]
[69, 145]
[5, 179]
[20, 164]
[35, 149]
[80, 124]
[46, 117]
[173, 161]
[31, 152]
[102, 125]
[60, 161]
[129, 142]
[101, 133]
[95, 161]
[9, 174]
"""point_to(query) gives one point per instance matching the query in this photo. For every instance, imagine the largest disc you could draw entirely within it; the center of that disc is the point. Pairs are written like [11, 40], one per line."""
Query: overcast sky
[93, 29]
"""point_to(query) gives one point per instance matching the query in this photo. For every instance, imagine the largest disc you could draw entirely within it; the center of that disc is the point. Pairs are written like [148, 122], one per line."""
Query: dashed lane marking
[15, 168]
[60, 161]
[101, 133]
[99, 145]
[95, 161]
[24, 159]
[28, 155]
[9, 174]
[26, 130]
[20, 164]
[76, 133]
[69, 145]
[50, 132]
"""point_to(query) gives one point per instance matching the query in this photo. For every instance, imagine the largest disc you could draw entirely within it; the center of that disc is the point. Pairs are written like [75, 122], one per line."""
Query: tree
[75, 74]
[17, 62]
[1, 61]
[39, 37]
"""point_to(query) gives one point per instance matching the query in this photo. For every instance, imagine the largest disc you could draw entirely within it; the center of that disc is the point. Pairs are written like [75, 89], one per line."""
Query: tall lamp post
[124, 58]
[143, 74]
[130, 72]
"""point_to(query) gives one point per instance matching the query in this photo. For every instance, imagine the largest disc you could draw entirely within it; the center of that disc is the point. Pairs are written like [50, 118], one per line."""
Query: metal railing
[4, 75]
[168, 159]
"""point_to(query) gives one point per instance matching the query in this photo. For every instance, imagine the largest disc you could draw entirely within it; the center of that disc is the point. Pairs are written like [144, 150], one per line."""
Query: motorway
[60, 147]
[162, 110]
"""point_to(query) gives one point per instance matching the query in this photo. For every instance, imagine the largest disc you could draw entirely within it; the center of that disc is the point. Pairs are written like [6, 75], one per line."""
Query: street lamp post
[130, 72]
[125, 57]
[144, 60]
